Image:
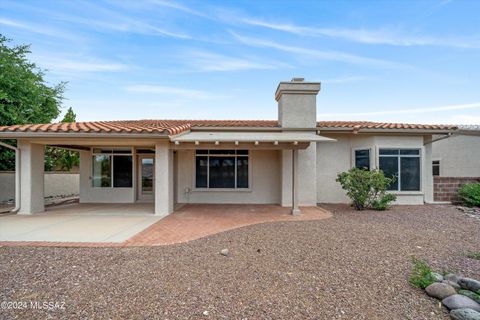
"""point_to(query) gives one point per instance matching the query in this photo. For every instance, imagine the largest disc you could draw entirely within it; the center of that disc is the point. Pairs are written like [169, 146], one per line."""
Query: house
[292, 161]
[455, 162]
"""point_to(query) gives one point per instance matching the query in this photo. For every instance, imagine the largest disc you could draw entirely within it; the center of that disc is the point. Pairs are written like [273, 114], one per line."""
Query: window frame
[112, 164]
[399, 156]
[371, 163]
[439, 167]
[235, 156]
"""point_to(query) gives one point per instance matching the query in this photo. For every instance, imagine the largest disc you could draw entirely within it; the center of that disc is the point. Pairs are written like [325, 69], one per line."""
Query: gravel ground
[352, 266]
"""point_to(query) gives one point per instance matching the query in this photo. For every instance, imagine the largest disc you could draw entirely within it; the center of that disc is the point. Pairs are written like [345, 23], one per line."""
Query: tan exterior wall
[459, 156]
[333, 158]
[89, 194]
[264, 181]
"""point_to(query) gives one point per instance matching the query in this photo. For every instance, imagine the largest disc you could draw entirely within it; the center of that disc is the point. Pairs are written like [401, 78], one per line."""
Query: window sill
[221, 190]
[406, 193]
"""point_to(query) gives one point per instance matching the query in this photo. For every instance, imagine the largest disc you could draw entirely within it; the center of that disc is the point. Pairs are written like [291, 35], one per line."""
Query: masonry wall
[445, 189]
[265, 178]
[55, 184]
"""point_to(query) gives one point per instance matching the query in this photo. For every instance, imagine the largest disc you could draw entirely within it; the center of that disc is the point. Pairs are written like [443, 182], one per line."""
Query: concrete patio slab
[100, 223]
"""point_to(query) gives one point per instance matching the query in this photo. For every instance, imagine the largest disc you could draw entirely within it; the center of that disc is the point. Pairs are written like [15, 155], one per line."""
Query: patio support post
[164, 192]
[31, 179]
[295, 209]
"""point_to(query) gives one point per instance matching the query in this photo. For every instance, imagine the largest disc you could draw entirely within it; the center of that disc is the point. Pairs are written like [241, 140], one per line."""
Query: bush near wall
[470, 194]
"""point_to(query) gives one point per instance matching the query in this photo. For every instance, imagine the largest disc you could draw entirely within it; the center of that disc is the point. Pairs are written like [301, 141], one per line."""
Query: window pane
[436, 167]
[362, 159]
[245, 152]
[122, 171]
[202, 151]
[101, 171]
[410, 152]
[201, 172]
[222, 151]
[242, 172]
[222, 172]
[388, 152]
[410, 174]
[389, 166]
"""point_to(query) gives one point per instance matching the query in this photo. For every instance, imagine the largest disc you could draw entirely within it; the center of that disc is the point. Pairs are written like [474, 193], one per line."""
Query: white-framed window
[404, 165]
[112, 168]
[221, 169]
[361, 158]
[436, 168]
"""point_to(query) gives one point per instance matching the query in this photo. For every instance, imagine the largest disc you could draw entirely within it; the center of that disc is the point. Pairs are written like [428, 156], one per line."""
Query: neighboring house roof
[173, 127]
[472, 127]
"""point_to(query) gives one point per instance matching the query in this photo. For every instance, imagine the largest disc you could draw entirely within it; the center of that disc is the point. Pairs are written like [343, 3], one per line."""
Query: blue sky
[405, 61]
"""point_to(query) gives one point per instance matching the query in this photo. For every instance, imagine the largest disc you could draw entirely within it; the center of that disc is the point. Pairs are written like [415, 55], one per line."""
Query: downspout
[17, 175]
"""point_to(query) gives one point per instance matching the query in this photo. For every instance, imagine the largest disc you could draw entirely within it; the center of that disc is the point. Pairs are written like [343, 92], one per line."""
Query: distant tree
[25, 96]
[56, 158]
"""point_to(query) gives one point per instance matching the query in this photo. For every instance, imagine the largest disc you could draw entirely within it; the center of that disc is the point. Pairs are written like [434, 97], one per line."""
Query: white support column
[164, 193]
[427, 176]
[295, 209]
[286, 177]
[31, 179]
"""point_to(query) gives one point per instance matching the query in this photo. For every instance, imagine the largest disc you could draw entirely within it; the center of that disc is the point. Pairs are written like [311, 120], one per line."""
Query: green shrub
[470, 194]
[421, 276]
[367, 189]
[474, 255]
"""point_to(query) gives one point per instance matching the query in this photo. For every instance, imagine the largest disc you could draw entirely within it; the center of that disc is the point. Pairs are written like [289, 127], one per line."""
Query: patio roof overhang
[277, 140]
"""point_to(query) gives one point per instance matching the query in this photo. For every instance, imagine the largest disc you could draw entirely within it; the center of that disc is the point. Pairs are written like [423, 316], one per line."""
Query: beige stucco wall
[459, 156]
[336, 157]
[264, 180]
[89, 194]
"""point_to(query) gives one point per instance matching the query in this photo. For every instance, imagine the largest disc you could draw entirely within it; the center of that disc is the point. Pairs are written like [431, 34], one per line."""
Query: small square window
[436, 167]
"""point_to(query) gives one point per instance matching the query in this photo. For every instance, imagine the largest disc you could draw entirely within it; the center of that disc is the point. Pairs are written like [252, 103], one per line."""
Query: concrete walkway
[99, 223]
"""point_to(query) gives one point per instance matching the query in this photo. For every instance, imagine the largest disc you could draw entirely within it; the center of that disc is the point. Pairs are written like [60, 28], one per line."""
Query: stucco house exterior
[292, 161]
[455, 161]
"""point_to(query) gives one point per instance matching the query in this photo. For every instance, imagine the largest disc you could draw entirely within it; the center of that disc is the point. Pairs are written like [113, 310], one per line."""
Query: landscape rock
[453, 277]
[472, 295]
[440, 290]
[465, 314]
[469, 284]
[458, 301]
[437, 277]
[455, 285]
[224, 252]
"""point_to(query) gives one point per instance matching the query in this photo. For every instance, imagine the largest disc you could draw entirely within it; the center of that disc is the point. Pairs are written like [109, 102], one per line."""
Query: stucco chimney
[297, 103]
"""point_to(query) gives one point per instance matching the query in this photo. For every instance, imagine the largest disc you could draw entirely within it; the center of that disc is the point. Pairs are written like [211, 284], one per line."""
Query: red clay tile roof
[172, 127]
[381, 125]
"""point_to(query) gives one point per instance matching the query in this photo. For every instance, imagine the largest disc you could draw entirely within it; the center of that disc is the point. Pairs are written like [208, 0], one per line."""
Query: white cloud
[317, 54]
[408, 111]
[77, 64]
[207, 62]
[173, 91]
[378, 36]
[38, 29]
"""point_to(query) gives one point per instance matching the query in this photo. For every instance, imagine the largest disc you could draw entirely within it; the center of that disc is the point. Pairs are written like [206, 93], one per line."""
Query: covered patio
[136, 225]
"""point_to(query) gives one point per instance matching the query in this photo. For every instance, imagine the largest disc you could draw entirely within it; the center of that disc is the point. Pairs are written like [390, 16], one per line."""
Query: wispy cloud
[317, 54]
[201, 61]
[172, 91]
[177, 6]
[408, 111]
[78, 64]
[378, 36]
[36, 28]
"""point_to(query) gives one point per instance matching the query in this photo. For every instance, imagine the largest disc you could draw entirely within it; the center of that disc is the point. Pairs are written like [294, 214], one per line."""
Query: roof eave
[20, 135]
[383, 130]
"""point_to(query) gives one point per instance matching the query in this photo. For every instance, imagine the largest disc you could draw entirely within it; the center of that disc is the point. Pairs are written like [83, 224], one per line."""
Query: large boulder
[453, 284]
[437, 277]
[440, 290]
[470, 294]
[452, 277]
[458, 301]
[464, 314]
[469, 284]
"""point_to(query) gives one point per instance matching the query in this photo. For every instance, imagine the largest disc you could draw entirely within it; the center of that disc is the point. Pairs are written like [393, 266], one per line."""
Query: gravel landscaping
[355, 265]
